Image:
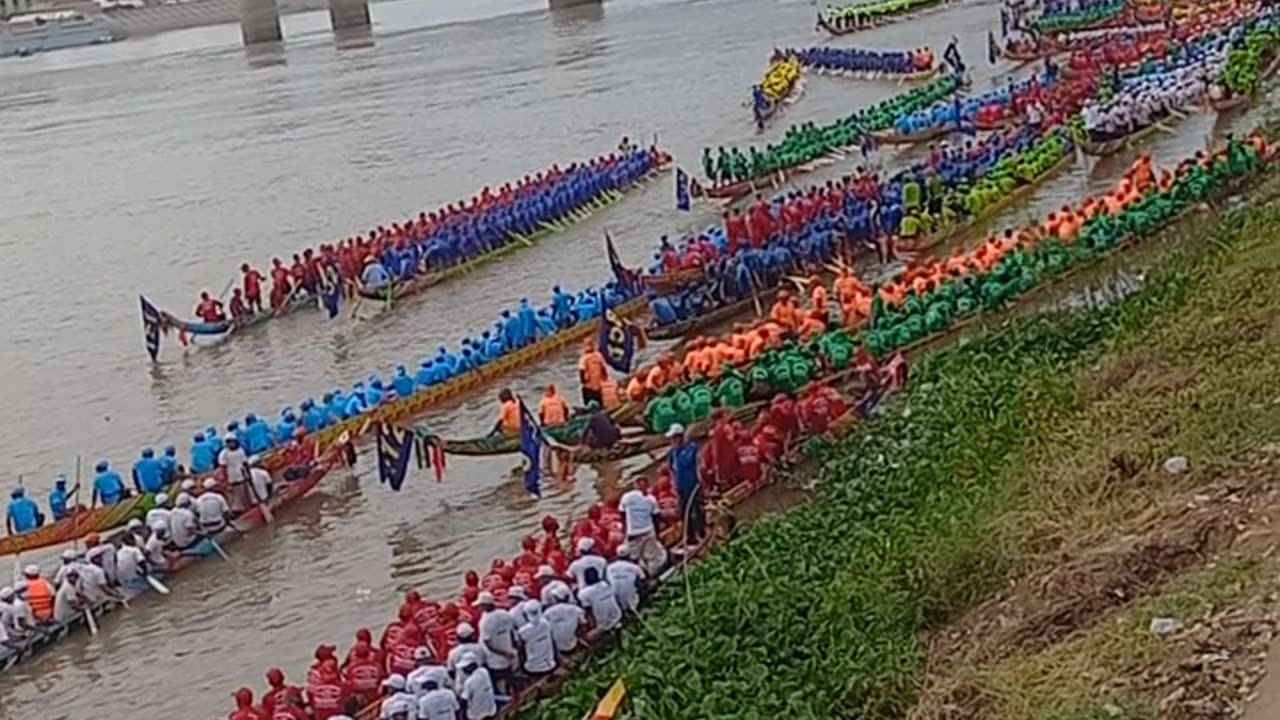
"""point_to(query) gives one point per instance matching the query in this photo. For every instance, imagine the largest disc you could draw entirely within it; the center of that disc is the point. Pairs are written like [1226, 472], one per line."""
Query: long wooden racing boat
[1231, 103]
[902, 78]
[684, 328]
[421, 282]
[226, 328]
[893, 137]
[1017, 195]
[567, 433]
[77, 525]
[287, 493]
[1111, 147]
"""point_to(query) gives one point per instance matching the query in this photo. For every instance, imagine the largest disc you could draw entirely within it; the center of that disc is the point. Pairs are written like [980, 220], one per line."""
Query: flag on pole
[993, 50]
[531, 448]
[683, 202]
[150, 327]
[626, 277]
[617, 338]
[395, 448]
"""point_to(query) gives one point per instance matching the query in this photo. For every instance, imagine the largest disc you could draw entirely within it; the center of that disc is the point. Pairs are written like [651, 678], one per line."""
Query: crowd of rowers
[872, 63]
[1148, 98]
[865, 15]
[524, 618]
[118, 568]
[454, 234]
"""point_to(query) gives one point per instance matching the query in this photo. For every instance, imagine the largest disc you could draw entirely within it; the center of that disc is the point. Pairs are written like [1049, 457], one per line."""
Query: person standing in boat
[252, 280]
[592, 372]
[212, 510]
[209, 309]
[508, 414]
[147, 474]
[239, 310]
[108, 488]
[58, 498]
[23, 515]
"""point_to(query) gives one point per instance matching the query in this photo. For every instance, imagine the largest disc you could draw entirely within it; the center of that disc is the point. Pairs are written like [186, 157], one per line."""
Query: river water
[157, 165]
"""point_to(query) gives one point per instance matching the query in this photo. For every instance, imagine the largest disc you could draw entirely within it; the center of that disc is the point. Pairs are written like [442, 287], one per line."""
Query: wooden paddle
[91, 621]
[156, 584]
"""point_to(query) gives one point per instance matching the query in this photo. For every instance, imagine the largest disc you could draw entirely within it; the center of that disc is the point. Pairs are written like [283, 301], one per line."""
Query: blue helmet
[250, 419]
[400, 369]
[102, 466]
[233, 425]
[211, 431]
[170, 450]
[425, 363]
[289, 416]
[308, 404]
[327, 398]
[148, 452]
[17, 492]
[377, 383]
[61, 481]
[198, 437]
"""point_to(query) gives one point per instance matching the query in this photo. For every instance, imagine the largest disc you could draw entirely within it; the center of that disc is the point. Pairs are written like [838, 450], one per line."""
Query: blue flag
[683, 201]
[395, 448]
[993, 51]
[531, 448]
[331, 296]
[150, 327]
[617, 341]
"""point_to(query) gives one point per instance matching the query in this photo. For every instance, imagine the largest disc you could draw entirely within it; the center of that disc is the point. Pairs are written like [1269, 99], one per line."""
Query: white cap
[465, 630]
[31, 571]
[6, 593]
[585, 544]
[469, 660]
[560, 592]
[531, 607]
[395, 682]
[517, 592]
[675, 430]
[159, 528]
[255, 460]
[229, 436]
[545, 571]
[183, 500]
[68, 555]
[161, 498]
[484, 598]
[421, 653]
[624, 550]
[189, 485]
[210, 484]
[20, 586]
[135, 524]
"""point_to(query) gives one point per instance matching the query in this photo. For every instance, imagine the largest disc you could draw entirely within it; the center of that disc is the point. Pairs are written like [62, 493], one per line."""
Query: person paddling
[209, 309]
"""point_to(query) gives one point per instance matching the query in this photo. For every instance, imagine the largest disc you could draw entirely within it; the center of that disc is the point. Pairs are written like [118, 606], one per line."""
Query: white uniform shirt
[234, 461]
[414, 680]
[638, 509]
[455, 657]
[438, 704]
[210, 509]
[261, 480]
[497, 631]
[93, 583]
[22, 615]
[62, 602]
[601, 600]
[548, 594]
[578, 568]
[625, 577]
[158, 516]
[183, 527]
[565, 619]
[129, 561]
[6, 614]
[477, 691]
[154, 552]
[397, 702]
[539, 647]
[105, 555]
[62, 571]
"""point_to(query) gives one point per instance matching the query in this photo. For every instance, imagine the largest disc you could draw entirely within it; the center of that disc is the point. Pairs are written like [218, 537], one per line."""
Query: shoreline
[157, 19]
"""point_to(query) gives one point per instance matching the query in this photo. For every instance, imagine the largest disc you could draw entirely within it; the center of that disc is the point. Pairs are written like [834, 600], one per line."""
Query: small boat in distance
[56, 29]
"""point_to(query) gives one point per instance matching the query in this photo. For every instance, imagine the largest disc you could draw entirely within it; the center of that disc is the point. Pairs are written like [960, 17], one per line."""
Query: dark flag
[395, 449]
[626, 277]
[531, 448]
[150, 327]
[993, 50]
[1004, 22]
[331, 296]
[683, 201]
[617, 339]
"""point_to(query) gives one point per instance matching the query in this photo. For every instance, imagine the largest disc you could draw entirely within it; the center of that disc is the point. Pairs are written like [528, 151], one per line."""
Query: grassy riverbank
[1013, 454]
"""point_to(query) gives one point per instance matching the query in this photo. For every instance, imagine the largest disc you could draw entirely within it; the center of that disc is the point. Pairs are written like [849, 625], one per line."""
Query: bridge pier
[259, 21]
[348, 14]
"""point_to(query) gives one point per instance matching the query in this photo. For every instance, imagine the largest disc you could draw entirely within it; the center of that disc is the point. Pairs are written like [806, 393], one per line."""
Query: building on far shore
[8, 8]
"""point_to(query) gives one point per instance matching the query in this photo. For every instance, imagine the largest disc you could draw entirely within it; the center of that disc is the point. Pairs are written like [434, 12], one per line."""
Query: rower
[95, 585]
[497, 635]
[237, 306]
[591, 372]
[184, 529]
[566, 618]
[23, 514]
[210, 310]
[203, 457]
[477, 689]
[212, 510]
[233, 458]
[37, 593]
[599, 598]
[108, 488]
[508, 414]
[169, 466]
[259, 479]
[587, 559]
[396, 703]
[159, 515]
[68, 563]
[70, 600]
[58, 498]
[539, 646]
[244, 707]
[279, 691]
[154, 547]
[102, 555]
[552, 410]
[426, 670]
[437, 701]
[602, 432]
[466, 644]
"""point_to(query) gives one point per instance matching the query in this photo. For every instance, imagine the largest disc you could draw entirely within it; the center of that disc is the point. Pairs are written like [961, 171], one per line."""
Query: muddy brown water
[157, 165]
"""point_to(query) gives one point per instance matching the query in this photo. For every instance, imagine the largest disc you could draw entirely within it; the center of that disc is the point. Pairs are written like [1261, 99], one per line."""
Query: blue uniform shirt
[24, 513]
[147, 475]
[58, 503]
[203, 457]
[109, 487]
[684, 468]
[168, 468]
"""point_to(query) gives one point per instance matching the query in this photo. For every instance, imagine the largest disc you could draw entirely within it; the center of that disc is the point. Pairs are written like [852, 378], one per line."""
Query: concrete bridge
[260, 19]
